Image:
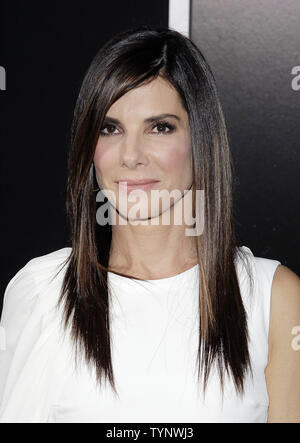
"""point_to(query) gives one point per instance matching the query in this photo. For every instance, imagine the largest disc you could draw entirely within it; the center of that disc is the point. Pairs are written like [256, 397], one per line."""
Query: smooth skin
[283, 369]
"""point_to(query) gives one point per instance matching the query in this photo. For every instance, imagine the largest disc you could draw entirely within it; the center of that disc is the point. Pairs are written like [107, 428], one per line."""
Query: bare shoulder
[284, 276]
[285, 304]
[282, 372]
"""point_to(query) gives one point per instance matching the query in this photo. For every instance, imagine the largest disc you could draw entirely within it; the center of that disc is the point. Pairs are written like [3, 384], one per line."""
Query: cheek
[176, 156]
[103, 159]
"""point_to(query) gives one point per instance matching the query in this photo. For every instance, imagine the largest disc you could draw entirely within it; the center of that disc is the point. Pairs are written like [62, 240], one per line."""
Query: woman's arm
[283, 369]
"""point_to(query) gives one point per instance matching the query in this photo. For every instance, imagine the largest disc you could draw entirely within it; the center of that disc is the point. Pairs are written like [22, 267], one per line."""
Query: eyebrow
[151, 119]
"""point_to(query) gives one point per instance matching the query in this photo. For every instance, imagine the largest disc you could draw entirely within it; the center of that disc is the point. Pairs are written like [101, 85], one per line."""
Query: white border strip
[179, 16]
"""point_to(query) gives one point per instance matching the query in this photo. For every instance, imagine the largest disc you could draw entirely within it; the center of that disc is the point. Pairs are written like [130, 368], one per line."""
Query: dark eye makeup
[160, 123]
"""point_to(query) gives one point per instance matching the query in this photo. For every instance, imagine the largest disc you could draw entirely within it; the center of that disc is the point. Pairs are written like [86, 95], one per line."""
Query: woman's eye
[163, 128]
[109, 127]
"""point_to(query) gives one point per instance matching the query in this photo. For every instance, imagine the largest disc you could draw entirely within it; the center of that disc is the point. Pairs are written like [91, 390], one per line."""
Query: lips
[131, 182]
[145, 184]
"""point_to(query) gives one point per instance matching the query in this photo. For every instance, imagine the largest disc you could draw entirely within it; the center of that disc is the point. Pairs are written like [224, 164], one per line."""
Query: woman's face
[131, 146]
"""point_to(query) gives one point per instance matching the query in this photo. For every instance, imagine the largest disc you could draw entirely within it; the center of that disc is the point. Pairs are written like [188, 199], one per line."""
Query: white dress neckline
[157, 280]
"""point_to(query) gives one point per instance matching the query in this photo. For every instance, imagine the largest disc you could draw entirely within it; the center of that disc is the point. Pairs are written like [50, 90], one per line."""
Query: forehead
[157, 96]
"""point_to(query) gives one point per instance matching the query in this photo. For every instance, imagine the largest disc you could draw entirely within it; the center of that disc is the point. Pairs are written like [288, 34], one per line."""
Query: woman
[144, 321]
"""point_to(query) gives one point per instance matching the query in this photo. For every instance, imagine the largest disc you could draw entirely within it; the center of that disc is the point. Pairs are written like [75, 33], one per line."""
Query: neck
[152, 250]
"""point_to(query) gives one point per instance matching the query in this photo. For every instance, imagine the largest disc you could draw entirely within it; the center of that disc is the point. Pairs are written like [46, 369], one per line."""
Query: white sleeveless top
[154, 346]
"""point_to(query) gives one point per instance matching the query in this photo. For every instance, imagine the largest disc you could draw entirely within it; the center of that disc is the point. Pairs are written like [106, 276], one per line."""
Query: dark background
[252, 47]
[46, 48]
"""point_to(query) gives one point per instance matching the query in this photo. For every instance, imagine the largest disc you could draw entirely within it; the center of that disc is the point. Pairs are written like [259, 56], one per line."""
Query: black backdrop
[252, 47]
[46, 48]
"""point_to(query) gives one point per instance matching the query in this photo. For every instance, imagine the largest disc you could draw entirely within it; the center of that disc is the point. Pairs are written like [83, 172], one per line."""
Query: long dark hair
[128, 60]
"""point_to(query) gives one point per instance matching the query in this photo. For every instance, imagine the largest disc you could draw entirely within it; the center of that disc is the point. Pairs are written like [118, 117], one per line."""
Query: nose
[133, 151]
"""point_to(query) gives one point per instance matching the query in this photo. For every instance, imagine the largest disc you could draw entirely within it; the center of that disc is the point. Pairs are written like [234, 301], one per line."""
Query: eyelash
[162, 123]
